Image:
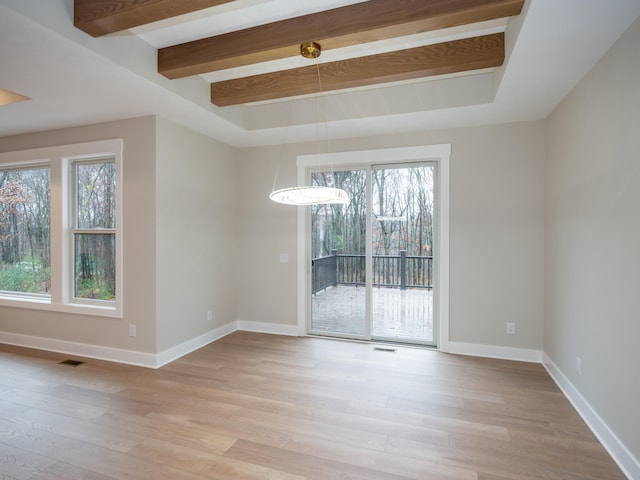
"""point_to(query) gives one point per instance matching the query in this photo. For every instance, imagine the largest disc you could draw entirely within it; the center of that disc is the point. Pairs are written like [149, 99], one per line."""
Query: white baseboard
[142, 359]
[273, 328]
[195, 343]
[110, 354]
[620, 454]
[151, 360]
[495, 351]
[189, 346]
[129, 357]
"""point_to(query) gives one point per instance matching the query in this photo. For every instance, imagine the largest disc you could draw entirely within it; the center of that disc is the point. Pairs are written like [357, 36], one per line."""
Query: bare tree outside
[25, 262]
[336, 226]
[402, 207]
[95, 273]
[403, 211]
[25, 211]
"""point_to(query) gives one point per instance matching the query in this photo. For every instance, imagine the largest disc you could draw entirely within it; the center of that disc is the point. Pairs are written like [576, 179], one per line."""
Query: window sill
[44, 303]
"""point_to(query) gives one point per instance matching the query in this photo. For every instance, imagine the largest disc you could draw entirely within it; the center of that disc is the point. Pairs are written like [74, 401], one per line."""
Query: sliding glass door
[402, 253]
[339, 304]
[372, 259]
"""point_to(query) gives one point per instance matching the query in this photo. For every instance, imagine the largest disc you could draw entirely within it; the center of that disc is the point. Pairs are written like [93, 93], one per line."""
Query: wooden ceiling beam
[101, 17]
[339, 27]
[443, 58]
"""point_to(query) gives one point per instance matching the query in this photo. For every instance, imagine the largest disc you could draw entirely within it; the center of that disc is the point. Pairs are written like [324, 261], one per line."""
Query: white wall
[195, 237]
[496, 235]
[179, 246]
[139, 246]
[593, 239]
[266, 288]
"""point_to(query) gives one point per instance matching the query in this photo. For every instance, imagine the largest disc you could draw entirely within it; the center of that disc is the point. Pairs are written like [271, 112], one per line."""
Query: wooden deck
[397, 314]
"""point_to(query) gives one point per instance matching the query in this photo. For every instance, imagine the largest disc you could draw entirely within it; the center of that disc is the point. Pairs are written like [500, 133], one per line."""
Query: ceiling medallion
[310, 50]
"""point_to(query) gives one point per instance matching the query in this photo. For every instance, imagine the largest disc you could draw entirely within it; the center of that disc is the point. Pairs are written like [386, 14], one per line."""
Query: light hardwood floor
[255, 406]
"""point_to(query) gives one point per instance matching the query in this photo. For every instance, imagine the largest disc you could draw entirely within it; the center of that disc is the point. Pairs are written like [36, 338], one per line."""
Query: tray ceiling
[384, 27]
[466, 63]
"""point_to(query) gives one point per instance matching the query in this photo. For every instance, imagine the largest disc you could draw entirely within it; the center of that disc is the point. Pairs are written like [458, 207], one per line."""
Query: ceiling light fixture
[311, 194]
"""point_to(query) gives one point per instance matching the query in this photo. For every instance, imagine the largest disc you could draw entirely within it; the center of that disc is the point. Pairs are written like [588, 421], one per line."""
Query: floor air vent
[383, 349]
[73, 363]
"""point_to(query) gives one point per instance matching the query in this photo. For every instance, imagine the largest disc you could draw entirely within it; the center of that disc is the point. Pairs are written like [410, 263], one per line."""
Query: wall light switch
[284, 258]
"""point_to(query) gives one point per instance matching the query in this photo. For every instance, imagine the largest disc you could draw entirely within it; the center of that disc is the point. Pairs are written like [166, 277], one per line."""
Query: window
[94, 232]
[60, 228]
[25, 260]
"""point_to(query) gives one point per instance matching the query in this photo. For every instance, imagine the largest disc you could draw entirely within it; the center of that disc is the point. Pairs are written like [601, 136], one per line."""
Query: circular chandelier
[314, 195]
[310, 195]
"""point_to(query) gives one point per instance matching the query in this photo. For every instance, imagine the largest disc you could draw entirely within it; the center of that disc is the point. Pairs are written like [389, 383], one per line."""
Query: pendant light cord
[282, 144]
[321, 106]
[318, 194]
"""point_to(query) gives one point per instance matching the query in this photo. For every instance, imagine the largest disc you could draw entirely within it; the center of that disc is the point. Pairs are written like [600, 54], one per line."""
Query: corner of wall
[618, 451]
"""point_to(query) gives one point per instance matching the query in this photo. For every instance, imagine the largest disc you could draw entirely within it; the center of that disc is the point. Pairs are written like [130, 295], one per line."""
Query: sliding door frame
[396, 166]
[364, 159]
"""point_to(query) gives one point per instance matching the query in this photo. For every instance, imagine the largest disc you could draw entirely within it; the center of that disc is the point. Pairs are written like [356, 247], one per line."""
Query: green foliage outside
[24, 277]
[95, 289]
[25, 224]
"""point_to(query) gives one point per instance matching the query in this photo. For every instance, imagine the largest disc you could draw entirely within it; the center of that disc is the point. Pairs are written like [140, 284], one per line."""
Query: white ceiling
[74, 79]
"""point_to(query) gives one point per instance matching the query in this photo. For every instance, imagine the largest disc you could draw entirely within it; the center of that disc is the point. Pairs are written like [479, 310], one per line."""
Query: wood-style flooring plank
[309, 466]
[19, 399]
[20, 465]
[253, 406]
[383, 462]
[61, 470]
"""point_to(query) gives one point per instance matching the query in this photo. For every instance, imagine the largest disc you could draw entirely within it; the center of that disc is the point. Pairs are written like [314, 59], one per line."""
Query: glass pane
[402, 232]
[338, 257]
[95, 271]
[25, 261]
[96, 187]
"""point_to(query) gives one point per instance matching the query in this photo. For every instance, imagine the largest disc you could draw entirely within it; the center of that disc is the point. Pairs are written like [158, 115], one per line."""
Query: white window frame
[61, 159]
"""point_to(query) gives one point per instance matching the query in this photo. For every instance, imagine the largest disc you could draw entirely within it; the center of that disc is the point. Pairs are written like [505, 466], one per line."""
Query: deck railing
[400, 271]
[324, 272]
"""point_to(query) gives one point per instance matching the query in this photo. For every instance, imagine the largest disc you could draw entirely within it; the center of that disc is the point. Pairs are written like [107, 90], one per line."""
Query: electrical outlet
[132, 330]
[511, 328]
[209, 315]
